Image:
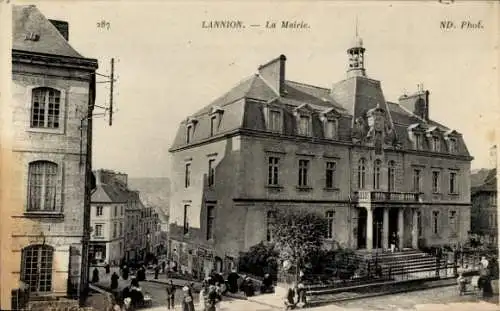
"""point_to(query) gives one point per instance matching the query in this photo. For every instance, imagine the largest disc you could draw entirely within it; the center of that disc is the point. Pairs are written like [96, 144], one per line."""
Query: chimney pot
[62, 27]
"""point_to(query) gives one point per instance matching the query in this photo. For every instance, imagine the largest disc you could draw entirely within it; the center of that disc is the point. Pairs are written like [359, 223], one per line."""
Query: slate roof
[112, 192]
[28, 19]
[243, 109]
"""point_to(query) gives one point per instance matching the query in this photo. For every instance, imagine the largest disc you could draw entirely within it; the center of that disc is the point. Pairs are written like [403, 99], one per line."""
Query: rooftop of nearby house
[33, 32]
[488, 184]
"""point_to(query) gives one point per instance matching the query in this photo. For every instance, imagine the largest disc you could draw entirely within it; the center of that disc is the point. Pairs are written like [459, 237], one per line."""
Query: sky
[168, 66]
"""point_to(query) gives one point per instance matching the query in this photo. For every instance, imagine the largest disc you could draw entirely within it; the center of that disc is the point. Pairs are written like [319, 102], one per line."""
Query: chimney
[493, 156]
[98, 177]
[62, 27]
[274, 73]
[417, 103]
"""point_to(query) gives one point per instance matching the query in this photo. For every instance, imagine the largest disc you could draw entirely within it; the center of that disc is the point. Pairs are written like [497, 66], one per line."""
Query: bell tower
[356, 55]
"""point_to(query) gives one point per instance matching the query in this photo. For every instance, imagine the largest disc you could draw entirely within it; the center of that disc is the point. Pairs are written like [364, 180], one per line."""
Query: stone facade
[373, 168]
[484, 211]
[53, 224]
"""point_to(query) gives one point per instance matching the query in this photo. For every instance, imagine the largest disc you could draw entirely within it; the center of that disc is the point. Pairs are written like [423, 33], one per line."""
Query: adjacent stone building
[53, 88]
[370, 166]
[484, 211]
[110, 202]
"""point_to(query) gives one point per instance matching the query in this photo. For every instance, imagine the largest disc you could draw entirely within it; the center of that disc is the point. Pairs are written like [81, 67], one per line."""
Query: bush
[259, 260]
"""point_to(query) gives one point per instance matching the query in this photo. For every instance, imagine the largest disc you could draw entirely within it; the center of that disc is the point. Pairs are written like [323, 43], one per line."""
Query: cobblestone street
[155, 290]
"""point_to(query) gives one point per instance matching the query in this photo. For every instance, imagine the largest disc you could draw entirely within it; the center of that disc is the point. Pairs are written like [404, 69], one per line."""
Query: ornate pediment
[416, 127]
[304, 109]
[451, 133]
[433, 131]
[329, 114]
[216, 110]
[191, 121]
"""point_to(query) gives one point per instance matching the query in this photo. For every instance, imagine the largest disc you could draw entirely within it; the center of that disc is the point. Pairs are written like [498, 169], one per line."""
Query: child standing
[462, 282]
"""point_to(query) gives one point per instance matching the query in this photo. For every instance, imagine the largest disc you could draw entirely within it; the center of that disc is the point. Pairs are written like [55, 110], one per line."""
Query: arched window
[42, 183]
[391, 176]
[376, 174]
[45, 108]
[361, 173]
[36, 268]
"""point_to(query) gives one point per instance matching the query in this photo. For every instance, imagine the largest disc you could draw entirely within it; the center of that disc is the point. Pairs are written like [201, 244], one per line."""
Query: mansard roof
[351, 98]
[26, 20]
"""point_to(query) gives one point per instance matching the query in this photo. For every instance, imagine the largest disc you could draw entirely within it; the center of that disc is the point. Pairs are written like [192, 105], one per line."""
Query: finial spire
[357, 35]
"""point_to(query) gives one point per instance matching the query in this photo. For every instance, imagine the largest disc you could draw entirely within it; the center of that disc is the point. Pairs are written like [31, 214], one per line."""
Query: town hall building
[372, 167]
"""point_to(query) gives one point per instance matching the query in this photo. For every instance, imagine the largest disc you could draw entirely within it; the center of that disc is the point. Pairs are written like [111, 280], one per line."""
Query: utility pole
[85, 260]
[112, 81]
[84, 275]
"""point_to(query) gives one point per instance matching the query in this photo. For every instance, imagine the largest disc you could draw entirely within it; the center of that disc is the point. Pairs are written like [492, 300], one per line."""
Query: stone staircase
[408, 262]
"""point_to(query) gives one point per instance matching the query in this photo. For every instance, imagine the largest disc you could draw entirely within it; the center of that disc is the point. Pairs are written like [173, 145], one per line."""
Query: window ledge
[274, 186]
[33, 214]
[331, 189]
[303, 188]
[59, 131]
[454, 194]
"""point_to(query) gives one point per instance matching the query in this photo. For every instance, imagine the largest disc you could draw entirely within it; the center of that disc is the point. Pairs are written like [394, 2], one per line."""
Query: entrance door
[362, 228]
[393, 223]
[378, 218]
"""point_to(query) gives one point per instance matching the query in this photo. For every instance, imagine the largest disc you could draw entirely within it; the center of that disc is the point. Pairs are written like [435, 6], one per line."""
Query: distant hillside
[477, 176]
[154, 191]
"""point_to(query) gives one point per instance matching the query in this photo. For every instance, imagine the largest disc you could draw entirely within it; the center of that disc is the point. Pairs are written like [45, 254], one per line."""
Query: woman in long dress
[203, 296]
[187, 299]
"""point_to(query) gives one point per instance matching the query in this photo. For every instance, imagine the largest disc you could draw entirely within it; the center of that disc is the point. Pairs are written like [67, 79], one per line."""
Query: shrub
[259, 260]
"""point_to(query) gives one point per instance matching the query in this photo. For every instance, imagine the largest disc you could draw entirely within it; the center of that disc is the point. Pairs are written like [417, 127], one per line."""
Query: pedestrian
[290, 298]
[248, 287]
[157, 271]
[95, 276]
[214, 298]
[107, 268]
[203, 296]
[232, 280]
[301, 295]
[187, 299]
[393, 242]
[462, 283]
[114, 281]
[267, 284]
[125, 272]
[170, 295]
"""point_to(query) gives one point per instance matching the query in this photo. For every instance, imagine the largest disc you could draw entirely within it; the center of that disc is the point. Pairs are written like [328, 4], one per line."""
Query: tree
[298, 234]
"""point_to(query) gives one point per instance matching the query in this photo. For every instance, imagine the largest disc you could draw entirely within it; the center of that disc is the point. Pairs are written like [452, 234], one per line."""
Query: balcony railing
[385, 196]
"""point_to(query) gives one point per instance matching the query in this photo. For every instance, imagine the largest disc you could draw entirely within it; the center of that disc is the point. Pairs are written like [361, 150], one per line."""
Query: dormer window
[215, 119]
[418, 141]
[189, 133]
[190, 126]
[330, 123]
[331, 127]
[213, 125]
[451, 138]
[452, 142]
[304, 126]
[303, 115]
[274, 124]
[436, 144]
